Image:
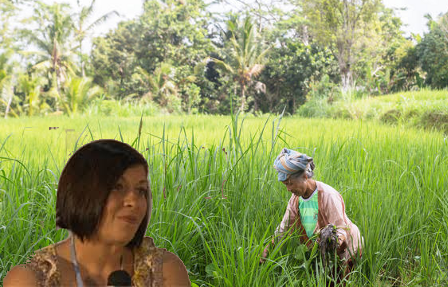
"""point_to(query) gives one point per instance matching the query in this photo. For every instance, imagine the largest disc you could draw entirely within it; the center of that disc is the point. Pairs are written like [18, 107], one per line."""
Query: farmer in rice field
[312, 206]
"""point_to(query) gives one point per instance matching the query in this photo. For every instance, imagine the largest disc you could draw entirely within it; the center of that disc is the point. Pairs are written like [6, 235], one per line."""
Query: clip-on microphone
[119, 278]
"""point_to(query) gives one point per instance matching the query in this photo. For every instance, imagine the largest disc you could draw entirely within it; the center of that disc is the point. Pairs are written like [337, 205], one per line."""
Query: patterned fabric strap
[309, 208]
[43, 264]
[148, 265]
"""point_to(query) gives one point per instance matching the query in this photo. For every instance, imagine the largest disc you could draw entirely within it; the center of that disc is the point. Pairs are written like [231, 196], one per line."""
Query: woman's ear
[305, 175]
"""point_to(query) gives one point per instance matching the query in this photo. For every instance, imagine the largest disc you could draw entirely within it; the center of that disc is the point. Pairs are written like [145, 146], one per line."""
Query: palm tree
[6, 91]
[7, 79]
[161, 85]
[31, 86]
[53, 40]
[246, 58]
[78, 92]
[8, 67]
[81, 21]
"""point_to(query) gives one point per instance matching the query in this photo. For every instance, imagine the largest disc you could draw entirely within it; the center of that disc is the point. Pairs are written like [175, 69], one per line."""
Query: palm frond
[255, 70]
[102, 19]
[223, 65]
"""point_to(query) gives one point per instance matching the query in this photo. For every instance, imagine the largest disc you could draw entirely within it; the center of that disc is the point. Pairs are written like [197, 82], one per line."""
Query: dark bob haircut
[86, 182]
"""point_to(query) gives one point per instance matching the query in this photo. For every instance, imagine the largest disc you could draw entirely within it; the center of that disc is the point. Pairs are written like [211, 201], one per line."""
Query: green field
[217, 200]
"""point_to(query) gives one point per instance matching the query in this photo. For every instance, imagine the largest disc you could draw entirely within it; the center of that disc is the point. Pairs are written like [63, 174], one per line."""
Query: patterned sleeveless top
[309, 209]
[148, 263]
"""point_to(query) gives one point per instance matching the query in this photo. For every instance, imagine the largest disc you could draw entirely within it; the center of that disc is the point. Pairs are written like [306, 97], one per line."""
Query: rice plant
[217, 200]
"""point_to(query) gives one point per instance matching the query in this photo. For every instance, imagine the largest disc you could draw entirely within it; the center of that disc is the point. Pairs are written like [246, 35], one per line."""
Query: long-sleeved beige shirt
[331, 211]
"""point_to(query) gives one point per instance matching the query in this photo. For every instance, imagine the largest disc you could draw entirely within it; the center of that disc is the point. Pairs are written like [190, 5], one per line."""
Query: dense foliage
[424, 109]
[179, 57]
[432, 53]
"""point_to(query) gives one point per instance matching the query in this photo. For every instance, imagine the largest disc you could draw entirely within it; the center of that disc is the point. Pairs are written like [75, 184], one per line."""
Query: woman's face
[125, 207]
[297, 185]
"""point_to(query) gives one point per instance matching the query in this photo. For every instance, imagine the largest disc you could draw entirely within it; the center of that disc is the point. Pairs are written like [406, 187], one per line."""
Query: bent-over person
[312, 206]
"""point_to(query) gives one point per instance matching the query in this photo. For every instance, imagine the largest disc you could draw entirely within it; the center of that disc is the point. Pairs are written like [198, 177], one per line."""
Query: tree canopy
[181, 57]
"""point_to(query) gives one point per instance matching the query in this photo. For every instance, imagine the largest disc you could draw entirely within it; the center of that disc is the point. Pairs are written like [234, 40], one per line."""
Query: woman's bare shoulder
[20, 276]
[31, 273]
[174, 271]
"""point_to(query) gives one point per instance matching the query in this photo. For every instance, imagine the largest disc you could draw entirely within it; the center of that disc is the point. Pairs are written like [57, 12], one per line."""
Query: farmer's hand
[264, 255]
[342, 245]
[266, 252]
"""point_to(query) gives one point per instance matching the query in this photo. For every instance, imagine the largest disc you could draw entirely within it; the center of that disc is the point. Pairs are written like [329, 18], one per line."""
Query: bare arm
[334, 211]
[20, 276]
[174, 272]
[290, 216]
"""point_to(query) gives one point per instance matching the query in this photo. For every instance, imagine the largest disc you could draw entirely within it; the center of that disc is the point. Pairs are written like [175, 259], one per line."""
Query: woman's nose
[131, 197]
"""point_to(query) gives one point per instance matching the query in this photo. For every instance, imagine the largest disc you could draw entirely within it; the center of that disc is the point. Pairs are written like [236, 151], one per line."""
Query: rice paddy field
[217, 200]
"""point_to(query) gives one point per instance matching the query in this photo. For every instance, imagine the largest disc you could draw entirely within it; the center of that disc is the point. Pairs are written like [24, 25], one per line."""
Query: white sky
[416, 10]
[413, 16]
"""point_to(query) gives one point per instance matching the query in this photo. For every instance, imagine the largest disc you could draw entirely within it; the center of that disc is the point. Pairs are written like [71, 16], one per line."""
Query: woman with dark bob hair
[105, 202]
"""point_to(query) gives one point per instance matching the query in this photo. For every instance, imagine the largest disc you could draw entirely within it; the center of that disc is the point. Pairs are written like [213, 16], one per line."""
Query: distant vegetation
[177, 57]
[425, 109]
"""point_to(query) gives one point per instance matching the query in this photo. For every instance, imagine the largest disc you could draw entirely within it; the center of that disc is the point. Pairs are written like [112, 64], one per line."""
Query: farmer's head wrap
[289, 162]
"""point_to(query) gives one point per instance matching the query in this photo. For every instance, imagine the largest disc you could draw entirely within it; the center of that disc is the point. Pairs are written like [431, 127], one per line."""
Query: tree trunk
[345, 71]
[346, 78]
[243, 97]
[80, 59]
[255, 104]
[57, 84]
[305, 35]
[9, 101]
[345, 45]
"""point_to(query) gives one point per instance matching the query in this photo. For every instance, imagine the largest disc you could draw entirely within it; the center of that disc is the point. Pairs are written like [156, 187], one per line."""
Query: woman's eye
[118, 187]
[143, 191]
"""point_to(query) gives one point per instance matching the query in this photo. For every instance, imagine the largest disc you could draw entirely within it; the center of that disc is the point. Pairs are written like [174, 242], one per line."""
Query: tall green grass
[217, 200]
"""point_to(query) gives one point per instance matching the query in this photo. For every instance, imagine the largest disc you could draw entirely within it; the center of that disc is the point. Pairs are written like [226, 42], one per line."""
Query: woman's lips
[129, 219]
